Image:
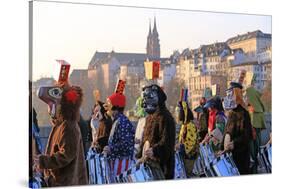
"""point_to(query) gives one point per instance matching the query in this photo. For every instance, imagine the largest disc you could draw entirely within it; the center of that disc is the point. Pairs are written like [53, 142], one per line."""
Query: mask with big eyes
[150, 99]
[51, 96]
[229, 102]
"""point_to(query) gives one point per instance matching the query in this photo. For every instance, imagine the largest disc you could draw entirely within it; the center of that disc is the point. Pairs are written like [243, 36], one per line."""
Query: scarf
[212, 120]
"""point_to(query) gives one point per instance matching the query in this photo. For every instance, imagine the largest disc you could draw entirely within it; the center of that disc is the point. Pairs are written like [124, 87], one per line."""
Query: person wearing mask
[202, 119]
[120, 148]
[63, 161]
[102, 123]
[187, 137]
[256, 110]
[141, 114]
[238, 131]
[216, 118]
[159, 133]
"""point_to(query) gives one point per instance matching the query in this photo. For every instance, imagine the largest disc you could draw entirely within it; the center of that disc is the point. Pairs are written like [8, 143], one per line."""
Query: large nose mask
[150, 100]
[51, 96]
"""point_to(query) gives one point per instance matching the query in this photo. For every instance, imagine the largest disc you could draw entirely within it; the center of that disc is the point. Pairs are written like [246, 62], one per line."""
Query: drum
[207, 154]
[198, 168]
[223, 166]
[180, 172]
[141, 173]
[265, 158]
[137, 173]
[98, 167]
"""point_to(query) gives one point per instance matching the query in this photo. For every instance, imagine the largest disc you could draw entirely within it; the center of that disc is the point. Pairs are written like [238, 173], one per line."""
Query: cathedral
[153, 45]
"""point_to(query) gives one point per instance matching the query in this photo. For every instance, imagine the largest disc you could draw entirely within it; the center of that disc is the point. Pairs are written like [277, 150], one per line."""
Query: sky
[74, 32]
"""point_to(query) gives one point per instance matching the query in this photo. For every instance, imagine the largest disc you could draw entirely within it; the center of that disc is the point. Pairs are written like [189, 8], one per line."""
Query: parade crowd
[230, 124]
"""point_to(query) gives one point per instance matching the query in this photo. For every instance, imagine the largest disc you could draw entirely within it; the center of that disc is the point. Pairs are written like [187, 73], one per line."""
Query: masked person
[159, 132]
[216, 118]
[238, 131]
[63, 162]
[120, 147]
[188, 136]
[256, 111]
[85, 133]
[141, 114]
[102, 123]
[202, 119]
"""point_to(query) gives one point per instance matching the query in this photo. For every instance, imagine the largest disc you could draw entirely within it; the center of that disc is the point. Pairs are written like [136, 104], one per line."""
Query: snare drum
[98, 166]
[198, 168]
[224, 166]
[207, 154]
[265, 158]
[180, 172]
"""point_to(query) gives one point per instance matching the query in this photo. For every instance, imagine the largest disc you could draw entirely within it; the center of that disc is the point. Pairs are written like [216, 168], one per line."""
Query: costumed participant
[188, 134]
[85, 132]
[238, 131]
[63, 162]
[159, 132]
[202, 119]
[120, 147]
[103, 123]
[256, 111]
[217, 118]
[36, 179]
[141, 114]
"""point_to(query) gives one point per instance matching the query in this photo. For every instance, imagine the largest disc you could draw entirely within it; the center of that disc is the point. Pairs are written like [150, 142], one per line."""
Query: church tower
[153, 45]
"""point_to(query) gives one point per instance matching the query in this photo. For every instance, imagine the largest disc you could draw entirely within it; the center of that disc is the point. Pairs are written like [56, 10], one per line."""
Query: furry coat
[64, 162]
[240, 130]
[160, 132]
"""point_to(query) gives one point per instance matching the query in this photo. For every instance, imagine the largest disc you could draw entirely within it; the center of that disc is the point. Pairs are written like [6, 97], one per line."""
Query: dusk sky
[75, 32]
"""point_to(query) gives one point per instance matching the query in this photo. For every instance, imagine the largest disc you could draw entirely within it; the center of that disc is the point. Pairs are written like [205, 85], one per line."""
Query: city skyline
[61, 34]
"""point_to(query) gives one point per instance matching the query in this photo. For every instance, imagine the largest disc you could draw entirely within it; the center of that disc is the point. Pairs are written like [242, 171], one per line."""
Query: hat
[210, 103]
[235, 85]
[118, 100]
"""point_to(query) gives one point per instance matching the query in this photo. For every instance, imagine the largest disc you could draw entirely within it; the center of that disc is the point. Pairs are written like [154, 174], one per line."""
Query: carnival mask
[51, 95]
[229, 101]
[150, 99]
[108, 107]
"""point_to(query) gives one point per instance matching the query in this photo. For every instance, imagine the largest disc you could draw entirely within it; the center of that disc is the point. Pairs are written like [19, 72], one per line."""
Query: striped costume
[121, 144]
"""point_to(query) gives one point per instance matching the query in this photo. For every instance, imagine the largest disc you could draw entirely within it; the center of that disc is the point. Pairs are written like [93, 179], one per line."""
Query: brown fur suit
[160, 132]
[63, 161]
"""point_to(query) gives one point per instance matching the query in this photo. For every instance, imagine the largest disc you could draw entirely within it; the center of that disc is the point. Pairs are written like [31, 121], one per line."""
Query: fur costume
[238, 129]
[63, 161]
[159, 129]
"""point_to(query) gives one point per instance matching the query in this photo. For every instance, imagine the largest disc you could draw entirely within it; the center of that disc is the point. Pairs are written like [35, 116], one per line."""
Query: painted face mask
[150, 99]
[229, 101]
[51, 95]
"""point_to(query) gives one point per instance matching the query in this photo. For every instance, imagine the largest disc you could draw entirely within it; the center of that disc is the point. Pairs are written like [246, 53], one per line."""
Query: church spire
[155, 27]
[149, 33]
[153, 45]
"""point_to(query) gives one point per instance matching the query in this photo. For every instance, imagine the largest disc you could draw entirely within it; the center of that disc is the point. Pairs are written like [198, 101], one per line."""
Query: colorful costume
[121, 138]
[188, 136]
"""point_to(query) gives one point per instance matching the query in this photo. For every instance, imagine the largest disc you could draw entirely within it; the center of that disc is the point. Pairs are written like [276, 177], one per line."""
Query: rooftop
[248, 35]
